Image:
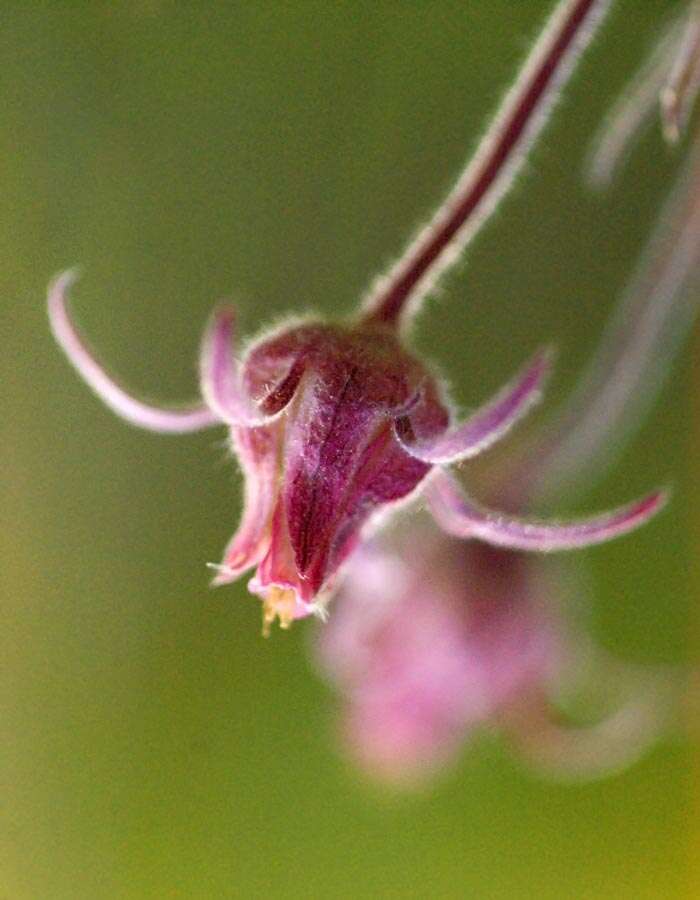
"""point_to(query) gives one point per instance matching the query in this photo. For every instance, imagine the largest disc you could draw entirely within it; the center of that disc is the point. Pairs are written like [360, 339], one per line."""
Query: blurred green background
[153, 745]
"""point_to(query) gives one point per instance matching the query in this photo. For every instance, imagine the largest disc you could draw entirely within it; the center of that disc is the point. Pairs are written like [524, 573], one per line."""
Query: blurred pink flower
[334, 425]
[435, 639]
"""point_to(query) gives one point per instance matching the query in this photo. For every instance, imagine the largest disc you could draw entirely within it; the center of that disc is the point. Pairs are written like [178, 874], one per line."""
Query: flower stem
[490, 172]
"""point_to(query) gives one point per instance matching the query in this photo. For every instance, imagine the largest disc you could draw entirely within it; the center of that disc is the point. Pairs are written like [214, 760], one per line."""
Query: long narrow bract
[489, 423]
[112, 394]
[462, 517]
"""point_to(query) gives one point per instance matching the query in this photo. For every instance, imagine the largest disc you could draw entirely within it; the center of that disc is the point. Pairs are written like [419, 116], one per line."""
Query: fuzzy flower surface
[337, 424]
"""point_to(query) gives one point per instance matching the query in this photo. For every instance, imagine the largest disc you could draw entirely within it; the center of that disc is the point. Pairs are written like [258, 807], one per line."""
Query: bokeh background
[152, 744]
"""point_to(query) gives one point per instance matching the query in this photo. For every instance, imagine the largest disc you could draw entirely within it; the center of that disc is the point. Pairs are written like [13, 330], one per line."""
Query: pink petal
[285, 595]
[143, 415]
[488, 424]
[463, 518]
[400, 747]
[257, 450]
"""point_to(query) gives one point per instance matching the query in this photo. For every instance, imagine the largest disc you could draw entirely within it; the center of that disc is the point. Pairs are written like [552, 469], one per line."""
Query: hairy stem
[490, 173]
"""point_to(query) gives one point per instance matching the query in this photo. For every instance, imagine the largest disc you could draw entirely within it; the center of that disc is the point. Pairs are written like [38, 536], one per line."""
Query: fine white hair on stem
[629, 368]
[125, 405]
[490, 173]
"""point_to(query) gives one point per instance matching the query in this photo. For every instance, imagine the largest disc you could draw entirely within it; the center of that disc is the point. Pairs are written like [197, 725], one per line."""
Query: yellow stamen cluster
[279, 604]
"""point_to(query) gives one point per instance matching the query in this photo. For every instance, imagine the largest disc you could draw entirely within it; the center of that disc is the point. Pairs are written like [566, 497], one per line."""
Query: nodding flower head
[431, 638]
[332, 425]
[336, 424]
[435, 640]
[325, 457]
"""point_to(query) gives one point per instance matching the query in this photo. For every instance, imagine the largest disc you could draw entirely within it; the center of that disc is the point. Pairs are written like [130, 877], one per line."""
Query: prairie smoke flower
[336, 424]
[434, 640]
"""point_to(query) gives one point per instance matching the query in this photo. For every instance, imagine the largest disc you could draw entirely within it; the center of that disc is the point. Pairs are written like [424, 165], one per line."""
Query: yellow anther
[279, 603]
